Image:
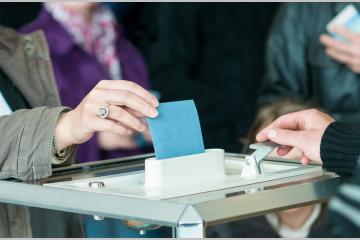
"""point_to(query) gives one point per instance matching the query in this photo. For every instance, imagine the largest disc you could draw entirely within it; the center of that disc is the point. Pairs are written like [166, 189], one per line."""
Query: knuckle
[131, 85]
[314, 112]
[101, 83]
[119, 113]
[93, 94]
[87, 106]
[125, 96]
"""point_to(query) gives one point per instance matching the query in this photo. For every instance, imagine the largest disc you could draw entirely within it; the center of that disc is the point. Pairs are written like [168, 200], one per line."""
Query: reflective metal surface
[188, 214]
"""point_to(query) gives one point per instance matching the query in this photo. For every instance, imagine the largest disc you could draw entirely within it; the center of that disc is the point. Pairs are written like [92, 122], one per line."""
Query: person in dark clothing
[15, 15]
[334, 144]
[212, 53]
[300, 61]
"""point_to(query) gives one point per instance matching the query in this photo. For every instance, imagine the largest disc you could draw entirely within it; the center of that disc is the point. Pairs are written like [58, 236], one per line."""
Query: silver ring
[103, 112]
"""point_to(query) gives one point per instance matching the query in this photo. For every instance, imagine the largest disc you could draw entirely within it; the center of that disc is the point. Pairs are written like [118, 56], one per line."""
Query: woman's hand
[111, 141]
[126, 102]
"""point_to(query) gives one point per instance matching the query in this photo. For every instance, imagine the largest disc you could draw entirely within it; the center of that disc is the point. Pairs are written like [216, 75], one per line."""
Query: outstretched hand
[126, 102]
[303, 130]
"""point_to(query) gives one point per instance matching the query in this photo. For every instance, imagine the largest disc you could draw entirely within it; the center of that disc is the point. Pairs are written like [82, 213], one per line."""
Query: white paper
[4, 106]
[343, 17]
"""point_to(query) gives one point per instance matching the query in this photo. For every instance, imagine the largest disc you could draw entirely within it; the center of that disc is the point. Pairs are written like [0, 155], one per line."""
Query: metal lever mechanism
[251, 166]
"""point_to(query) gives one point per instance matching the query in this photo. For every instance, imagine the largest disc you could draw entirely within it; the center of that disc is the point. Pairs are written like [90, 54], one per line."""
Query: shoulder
[11, 41]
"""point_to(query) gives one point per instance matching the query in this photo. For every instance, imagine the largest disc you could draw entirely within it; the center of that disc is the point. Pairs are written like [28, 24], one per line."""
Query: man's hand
[347, 52]
[303, 130]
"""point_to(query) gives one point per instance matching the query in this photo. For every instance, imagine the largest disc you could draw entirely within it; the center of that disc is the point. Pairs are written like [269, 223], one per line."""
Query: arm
[27, 135]
[26, 143]
[335, 145]
[286, 73]
[340, 148]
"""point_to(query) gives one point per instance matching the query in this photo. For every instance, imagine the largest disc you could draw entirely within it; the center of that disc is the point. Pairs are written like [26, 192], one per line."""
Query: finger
[352, 37]
[130, 87]
[305, 160]
[283, 150]
[128, 99]
[339, 56]
[354, 68]
[120, 115]
[133, 112]
[288, 138]
[331, 43]
[292, 121]
[107, 125]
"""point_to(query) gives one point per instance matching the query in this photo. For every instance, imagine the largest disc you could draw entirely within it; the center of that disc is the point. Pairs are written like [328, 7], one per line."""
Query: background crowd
[244, 64]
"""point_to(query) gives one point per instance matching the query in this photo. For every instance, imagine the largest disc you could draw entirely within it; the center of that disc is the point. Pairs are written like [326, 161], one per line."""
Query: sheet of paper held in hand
[176, 131]
[349, 18]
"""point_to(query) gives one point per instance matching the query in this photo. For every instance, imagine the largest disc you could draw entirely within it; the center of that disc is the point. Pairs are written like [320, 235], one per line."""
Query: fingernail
[155, 101]
[153, 112]
[272, 134]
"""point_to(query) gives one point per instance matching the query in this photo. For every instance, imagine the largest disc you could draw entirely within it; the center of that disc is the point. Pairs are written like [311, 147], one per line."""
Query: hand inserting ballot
[303, 130]
[346, 52]
[125, 101]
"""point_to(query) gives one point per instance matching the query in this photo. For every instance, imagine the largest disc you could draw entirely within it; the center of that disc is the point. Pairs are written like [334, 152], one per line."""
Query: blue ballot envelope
[176, 131]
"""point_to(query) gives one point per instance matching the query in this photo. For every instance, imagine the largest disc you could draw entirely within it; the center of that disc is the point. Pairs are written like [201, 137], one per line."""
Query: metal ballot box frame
[187, 215]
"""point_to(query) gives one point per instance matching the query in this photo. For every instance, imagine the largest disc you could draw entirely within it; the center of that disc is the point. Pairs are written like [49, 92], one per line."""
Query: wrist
[63, 133]
[339, 148]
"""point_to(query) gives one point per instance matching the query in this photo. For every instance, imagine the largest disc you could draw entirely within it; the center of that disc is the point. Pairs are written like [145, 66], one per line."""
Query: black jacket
[298, 67]
[212, 53]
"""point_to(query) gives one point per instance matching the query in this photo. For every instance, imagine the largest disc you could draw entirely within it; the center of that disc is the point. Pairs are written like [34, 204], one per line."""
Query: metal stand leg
[190, 231]
[190, 225]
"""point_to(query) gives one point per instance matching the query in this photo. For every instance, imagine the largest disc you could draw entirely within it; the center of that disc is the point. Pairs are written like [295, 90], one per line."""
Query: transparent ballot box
[117, 189]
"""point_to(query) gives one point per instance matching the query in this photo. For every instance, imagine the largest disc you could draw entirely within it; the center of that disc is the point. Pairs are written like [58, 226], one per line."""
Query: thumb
[287, 137]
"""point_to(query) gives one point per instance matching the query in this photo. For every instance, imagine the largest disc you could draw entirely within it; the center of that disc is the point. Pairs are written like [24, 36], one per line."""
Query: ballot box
[117, 189]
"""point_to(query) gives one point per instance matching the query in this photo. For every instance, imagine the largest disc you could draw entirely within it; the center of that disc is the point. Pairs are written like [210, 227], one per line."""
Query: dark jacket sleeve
[340, 151]
[340, 148]
[286, 68]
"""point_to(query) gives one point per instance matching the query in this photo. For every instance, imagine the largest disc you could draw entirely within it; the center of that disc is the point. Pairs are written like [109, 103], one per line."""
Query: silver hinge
[252, 162]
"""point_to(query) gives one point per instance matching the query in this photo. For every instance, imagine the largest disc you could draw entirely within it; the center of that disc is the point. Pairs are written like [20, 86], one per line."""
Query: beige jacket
[26, 135]
[26, 153]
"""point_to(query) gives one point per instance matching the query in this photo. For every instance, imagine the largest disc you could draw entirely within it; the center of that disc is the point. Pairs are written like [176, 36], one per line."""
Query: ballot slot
[186, 170]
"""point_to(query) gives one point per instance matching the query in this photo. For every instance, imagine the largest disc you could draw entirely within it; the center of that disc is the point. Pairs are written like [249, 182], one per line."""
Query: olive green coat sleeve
[26, 143]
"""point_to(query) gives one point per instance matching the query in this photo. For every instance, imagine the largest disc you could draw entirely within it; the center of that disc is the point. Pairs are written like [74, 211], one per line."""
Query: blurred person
[16, 14]
[213, 54]
[87, 44]
[304, 62]
[291, 223]
[37, 133]
[335, 145]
